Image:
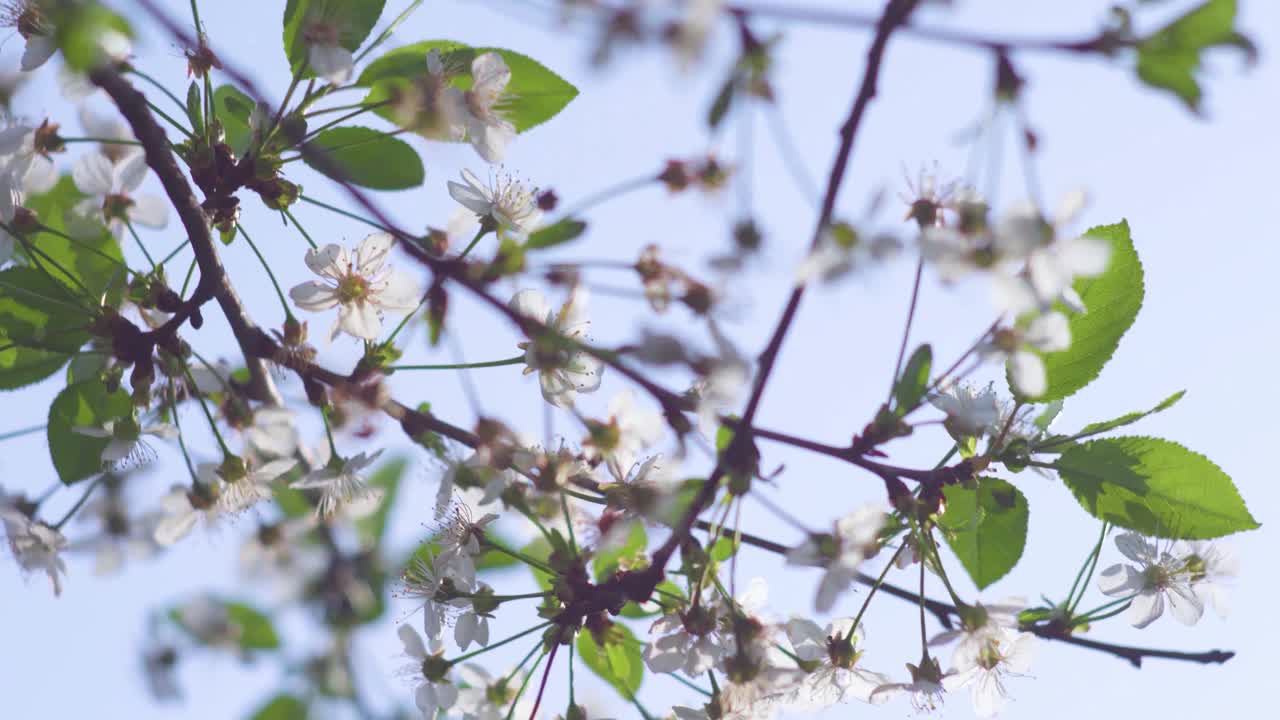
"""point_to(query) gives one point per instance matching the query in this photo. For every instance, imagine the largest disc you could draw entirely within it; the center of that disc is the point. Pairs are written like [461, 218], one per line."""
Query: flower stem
[866, 602]
[104, 141]
[609, 193]
[160, 86]
[174, 252]
[213, 424]
[498, 644]
[489, 543]
[1092, 616]
[24, 431]
[274, 283]
[1091, 562]
[182, 443]
[145, 253]
[460, 366]
[79, 503]
[344, 213]
[294, 220]
[511, 710]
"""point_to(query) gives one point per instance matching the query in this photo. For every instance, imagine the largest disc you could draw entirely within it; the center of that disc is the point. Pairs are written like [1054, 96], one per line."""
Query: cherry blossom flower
[1209, 564]
[503, 204]
[855, 538]
[29, 18]
[433, 693]
[488, 129]
[325, 53]
[690, 35]
[277, 553]
[688, 641]
[243, 484]
[361, 289]
[838, 677]
[35, 545]
[426, 580]
[473, 626]
[841, 250]
[274, 432]
[630, 429]
[486, 697]
[970, 412]
[980, 624]
[209, 621]
[728, 372]
[563, 372]
[1016, 346]
[127, 447]
[1053, 260]
[926, 689]
[340, 483]
[984, 668]
[111, 185]
[182, 507]
[1159, 575]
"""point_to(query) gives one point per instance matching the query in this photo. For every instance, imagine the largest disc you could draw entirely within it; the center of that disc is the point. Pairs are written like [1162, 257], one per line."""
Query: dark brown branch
[946, 614]
[213, 277]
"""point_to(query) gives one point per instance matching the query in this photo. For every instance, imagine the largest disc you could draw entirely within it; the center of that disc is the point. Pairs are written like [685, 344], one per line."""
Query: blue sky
[1197, 193]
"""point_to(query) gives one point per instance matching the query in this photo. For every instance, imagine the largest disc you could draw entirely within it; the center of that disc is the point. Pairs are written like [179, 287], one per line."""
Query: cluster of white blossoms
[1033, 262]
[1185, 575]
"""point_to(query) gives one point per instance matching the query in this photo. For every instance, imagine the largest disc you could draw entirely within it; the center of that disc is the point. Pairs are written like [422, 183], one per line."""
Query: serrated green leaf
[387, 478]
[1154, 486]
[366, 157]
[282, 707]
[353, 19]
[535, 93]
[37, 337]
[1170, 58]
[1112, 301]
[606, 562]
[618, 663]
[555, 234]
[986, 528]
[194, 108]
[85, 404]
[233, 109]
[1129, 418]
[910, 388]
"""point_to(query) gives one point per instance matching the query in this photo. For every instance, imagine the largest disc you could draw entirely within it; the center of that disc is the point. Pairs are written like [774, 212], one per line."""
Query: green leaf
[387, 478]
[535, 94]
[282, 707]
[291, 501]
[725, 548]
[233, 109]
[86, 404]
[619, 662]
[194, 112]
[40, 330]
[1169, 58]
[1154, 486]
[93, 258]
[911, 387]
[83, 31]
[556, 234]
[986, 527]
[353, 19]
[622, 554]
[256, 630]
[1130, 418]
[367, 157]
[1112, 300]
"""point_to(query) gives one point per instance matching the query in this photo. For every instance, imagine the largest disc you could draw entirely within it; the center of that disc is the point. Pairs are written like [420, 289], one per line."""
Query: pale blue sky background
[1198, 194]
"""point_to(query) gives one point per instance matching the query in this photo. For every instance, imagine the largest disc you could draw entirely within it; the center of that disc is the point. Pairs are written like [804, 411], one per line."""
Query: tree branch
[213, 277]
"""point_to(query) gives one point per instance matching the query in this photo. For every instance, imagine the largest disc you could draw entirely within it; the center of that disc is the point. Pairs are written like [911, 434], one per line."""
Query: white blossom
[688, 641]
[430, 695]
[29, 18]
[718, 389]
[927, 687]
[984, 669]
[1017, 347]
[1209, 564]
[126, 446]
[181, 508]
[563, 371]
[504, 203]
[839, 676]
[855, 538]
[487, 697]
[35, 545]
[488, 129]
[1160, 575]
[361, 288]
[1053, 260]
[969, 412]
[340, 482]
[249, 485]
[111, 185]
[980, 624]
[619, 440]
[120, 537]
[325, 52]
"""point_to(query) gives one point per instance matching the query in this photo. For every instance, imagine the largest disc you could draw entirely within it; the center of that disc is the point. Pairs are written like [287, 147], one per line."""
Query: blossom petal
[360, 319]
[149, 211]
[1027, 370]
[330, 261]
[129, 173]
[332, 62]
[314, 295]
[373, 252]
[412, 643]
[1147, 606]
[1119, 580]
[92, 174]
[39, 50]
[531, 304]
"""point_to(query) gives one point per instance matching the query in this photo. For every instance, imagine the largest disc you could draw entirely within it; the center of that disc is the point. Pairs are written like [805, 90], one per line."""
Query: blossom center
[351, 288]
[116, 207]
